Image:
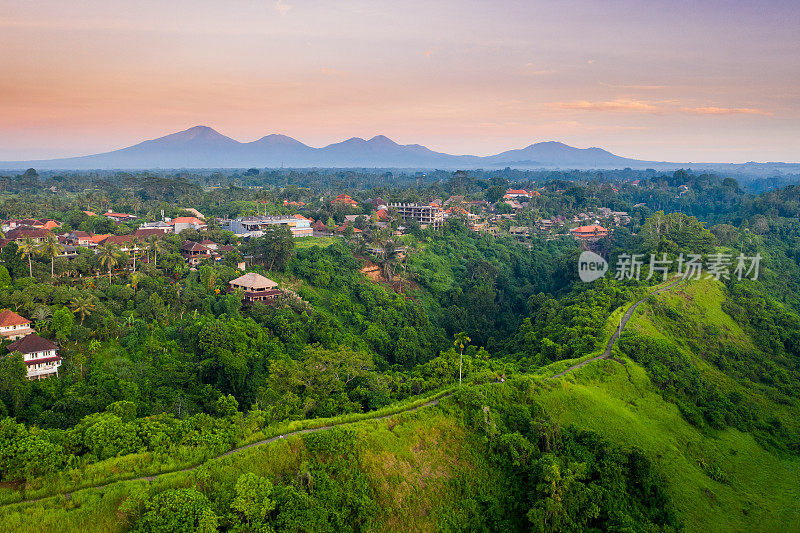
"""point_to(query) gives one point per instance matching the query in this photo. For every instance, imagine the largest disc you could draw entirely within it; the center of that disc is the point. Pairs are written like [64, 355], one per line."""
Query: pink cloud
[713, 110]
[620, 104]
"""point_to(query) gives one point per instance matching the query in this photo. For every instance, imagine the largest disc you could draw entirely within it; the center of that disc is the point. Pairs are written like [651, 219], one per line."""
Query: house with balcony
[256, 288]
[40, 355]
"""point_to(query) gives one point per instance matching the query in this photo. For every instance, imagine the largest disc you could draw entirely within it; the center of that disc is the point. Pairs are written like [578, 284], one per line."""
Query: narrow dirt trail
[605, 355]
[617, 332]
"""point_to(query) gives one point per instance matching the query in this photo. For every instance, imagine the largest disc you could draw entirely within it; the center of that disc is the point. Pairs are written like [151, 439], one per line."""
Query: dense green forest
[164, 368]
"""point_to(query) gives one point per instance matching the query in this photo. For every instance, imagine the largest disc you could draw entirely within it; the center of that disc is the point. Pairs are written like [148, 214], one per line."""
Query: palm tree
[134, 281]
[391, 257]
[42, 317]
[155, 246]
[461, 340]
[27, 248]
[109, 256]
[51, 248]
[82, 306]
[135, 243]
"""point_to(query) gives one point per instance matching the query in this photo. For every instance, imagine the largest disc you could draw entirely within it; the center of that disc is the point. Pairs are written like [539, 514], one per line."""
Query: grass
[409, 458]
[308, 242]
[619, 403]
[149, 463]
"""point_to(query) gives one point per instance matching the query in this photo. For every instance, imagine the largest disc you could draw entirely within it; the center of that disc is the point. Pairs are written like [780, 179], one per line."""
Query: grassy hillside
[610, 446]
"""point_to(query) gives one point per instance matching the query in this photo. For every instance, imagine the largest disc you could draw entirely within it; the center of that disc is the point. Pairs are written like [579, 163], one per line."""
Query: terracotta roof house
[257, 288]
[193, 248]
[181, 223]
[20, 234]
[341, 229]
[145, 233]
[382, 215]
[345, 200]
[41, 355]
[90, 213]
[123, 241]
[589, 232]
[14, 326]
[80, 238]
[194, 252]
[320, 228]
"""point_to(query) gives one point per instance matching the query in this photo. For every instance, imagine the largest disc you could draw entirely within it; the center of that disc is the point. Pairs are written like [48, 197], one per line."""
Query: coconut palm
[155, 247]
[82, 306]
[133, 282]
[109, 256]
[27, 248]
[135, 247]
[391, 257]
[51, 248]
[461, 340]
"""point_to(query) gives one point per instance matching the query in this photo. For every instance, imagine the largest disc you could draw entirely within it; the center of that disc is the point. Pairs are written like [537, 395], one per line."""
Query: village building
[40, 355]
[159, 225]
[14, 326]
[320, 229]
[256, 287]
[344, 199]
[194, 252]
[119, 217]
[255, 226]
[427, 215]
[80, 238]
[147, 233]
[22, 233]
[589, 233]
[183, 223]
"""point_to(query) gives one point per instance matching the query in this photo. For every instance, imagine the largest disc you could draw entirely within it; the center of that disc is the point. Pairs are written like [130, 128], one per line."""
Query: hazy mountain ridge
[204, 147]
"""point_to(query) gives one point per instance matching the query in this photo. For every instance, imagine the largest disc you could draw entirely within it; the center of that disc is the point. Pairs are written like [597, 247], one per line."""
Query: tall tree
[82, 306]
[26, 249]
[461, 340]
[108, 254]
[51, 248]
[155, 247]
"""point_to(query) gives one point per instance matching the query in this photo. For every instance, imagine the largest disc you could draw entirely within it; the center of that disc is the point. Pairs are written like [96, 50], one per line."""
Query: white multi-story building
[41, 355]
[427, 215]
[255, 226]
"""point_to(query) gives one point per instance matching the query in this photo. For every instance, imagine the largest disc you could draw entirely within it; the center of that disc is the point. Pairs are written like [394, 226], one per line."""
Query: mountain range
[204, 147]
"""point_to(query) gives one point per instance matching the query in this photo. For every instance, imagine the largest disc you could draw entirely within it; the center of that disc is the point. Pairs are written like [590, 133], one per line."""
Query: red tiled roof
[119, 215]
[10, 318]
[187, 220]
[22, 233]
[144, 233]
[585, 230]
[30, 344]
[191, 246]
[117, 239]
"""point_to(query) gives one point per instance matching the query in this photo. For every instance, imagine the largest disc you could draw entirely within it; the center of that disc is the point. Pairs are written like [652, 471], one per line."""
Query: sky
[672, 80]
